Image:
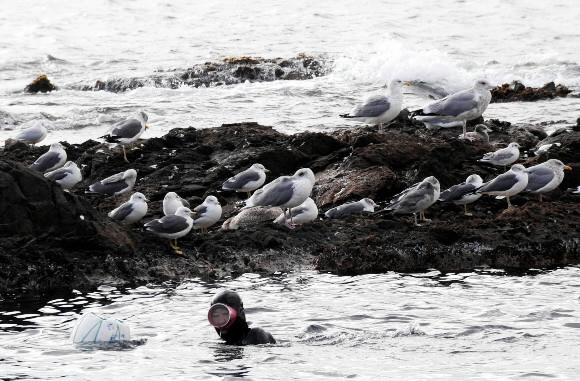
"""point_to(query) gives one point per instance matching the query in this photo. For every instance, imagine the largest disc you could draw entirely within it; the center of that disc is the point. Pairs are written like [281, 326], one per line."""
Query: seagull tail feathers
[346, 116]
[110, 138]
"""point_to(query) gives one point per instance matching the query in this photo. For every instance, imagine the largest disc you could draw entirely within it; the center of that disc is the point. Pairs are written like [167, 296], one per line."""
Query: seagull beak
[407, 83]
[147, 126]
[146, 199]
[266, 170]
[567, 168]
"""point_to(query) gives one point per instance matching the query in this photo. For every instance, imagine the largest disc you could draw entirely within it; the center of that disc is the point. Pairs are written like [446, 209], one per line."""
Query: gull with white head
[128, 131]
[51, 160]
[379, 109]
[285, 192]
[458, 107]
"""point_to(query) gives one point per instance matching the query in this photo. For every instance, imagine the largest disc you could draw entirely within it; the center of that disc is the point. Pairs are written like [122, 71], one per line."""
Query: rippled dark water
[475, 326]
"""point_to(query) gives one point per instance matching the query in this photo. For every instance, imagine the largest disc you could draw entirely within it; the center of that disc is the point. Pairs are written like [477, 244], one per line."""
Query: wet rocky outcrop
[517, 92]
[231, 70]
[349, 164]
[40, 84]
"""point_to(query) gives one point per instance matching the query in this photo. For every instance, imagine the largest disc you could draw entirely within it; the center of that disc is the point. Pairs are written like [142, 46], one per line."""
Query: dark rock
[349, 163]
[516, 92]
[40, 84]
[231, 70]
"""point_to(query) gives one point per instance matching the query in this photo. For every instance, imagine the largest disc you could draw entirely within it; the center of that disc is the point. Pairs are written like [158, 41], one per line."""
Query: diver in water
[227, 316]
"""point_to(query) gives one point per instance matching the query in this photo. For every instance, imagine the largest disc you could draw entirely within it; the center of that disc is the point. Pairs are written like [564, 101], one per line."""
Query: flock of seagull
[286, 200]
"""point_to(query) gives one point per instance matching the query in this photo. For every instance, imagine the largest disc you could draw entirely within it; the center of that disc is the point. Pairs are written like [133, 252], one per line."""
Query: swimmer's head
[227, 315]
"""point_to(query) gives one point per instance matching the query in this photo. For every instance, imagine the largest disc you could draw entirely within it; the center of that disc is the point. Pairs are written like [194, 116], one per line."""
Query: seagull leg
[465, 129]
[178, 250]
[540, 197]
[381, 128]
[423, 218]
[509, 203]
[465, 210]
[291, 219]
[125, 154]
[415, 216]
[249, 194]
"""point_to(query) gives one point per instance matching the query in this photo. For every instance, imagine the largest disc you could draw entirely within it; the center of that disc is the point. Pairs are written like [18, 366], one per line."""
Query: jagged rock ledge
[517, 92]
[231, 70]
[54, 240]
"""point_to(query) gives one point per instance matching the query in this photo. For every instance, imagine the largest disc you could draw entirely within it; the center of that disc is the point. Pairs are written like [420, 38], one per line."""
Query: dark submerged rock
[516, 91]
[349, 164]
[40, 84]
[231, 70]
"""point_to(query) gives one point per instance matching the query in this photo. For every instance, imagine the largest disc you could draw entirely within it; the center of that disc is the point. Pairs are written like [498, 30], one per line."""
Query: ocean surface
[444, 43]
[374, 327]
[477, 326]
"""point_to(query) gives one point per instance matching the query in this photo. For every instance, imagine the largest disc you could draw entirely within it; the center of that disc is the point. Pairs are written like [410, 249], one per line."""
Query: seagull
[416, 199]
[251, 216]
[462, 194]
[546, 177]
[285, 192]
[430, 179]
[300, 215]
[248, 180]
[479, 134]
[51, 160]
[379, 109]
[356, 207]
[207, 214]
[131, 211]
[458, 107]
[33, 134]
[172, 227]
[505, 156]
[171, 202]
[507, 184]
[67, 176]
[116, 184]
[544, 148]
[127, 131]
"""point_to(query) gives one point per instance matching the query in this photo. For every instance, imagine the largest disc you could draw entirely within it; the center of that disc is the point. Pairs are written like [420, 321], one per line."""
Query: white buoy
[94, 329]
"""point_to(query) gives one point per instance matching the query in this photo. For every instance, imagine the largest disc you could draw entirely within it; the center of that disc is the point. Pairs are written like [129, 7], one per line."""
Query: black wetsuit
[240, 333]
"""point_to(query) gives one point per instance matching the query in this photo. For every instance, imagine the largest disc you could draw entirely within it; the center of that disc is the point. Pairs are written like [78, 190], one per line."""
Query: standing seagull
[51, 160]
[67, 177]
[207, 214]
[417, 199]
[546, 177]
[458, 107]
[171, 202]
[404, 193]
[300, 215]
[172, 227]
[248, 180]
[285, 192]
[507, 184]
[379, 109]
[116, 184]
[462, 194]
[33, 134]
[127, 131]
[131, 211]
[505, 156]
[364, 205]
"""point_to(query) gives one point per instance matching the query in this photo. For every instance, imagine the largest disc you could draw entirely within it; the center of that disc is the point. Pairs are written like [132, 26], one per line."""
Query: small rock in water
[41, 83]
[517, 91]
